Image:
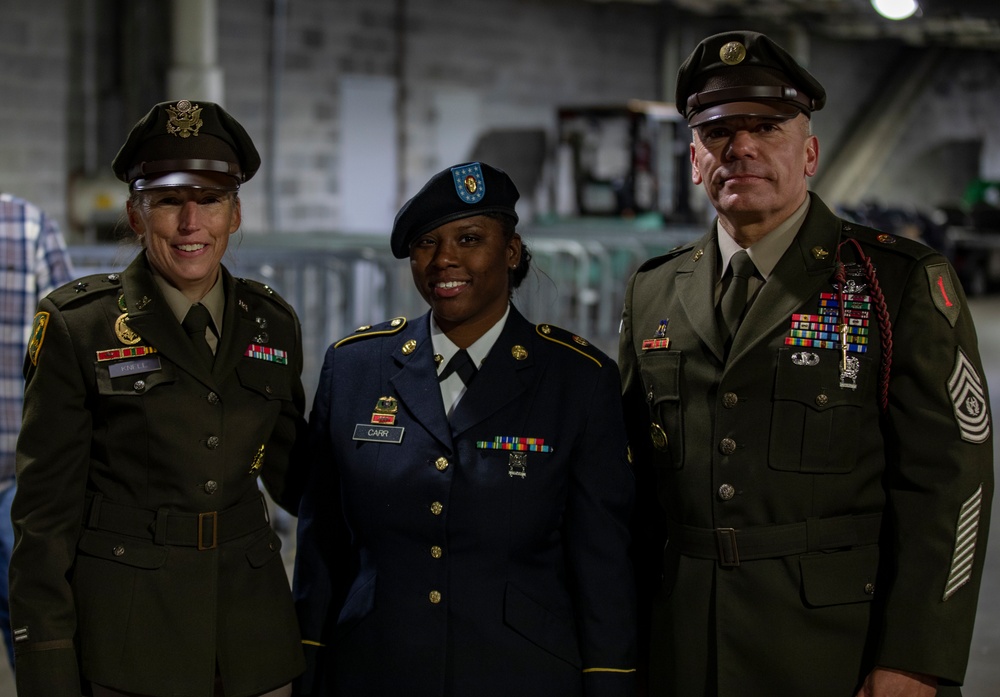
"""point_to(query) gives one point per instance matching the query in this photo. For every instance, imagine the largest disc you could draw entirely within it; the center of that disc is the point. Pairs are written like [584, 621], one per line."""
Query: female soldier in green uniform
[144, 563]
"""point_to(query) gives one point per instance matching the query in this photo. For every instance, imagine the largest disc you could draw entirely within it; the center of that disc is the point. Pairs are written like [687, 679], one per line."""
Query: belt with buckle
[206, 530]
[732, 546]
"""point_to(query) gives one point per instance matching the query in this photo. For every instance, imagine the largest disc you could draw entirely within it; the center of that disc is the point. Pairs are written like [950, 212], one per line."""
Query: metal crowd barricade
[338, 283]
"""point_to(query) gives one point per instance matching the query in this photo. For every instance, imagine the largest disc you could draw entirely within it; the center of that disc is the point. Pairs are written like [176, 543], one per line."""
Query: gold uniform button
[658, 436]
[434, 597]
[212, 443]
[822, 400]
[727, 492]
[436, 552]
[211, 486]
[730, 400]
[869, 589]
[118, 551]
[441, 464]
[213, 398]
[727, 446]
[139, 386]
[436, 508]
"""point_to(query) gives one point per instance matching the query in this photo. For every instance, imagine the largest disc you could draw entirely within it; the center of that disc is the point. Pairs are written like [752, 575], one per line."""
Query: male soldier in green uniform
[807, 401]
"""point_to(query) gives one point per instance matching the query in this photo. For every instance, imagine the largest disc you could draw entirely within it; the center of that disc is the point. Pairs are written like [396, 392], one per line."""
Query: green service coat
[776, 435]
[117, 455]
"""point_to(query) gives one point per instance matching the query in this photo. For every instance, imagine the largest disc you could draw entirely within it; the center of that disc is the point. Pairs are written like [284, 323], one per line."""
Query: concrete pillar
[195, 72]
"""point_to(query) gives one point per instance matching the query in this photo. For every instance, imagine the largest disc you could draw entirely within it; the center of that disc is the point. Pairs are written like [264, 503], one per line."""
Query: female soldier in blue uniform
[144, 563]
[465, 529]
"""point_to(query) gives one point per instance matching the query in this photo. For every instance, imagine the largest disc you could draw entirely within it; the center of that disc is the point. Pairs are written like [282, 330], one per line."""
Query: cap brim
[191, 179]
[770, 110]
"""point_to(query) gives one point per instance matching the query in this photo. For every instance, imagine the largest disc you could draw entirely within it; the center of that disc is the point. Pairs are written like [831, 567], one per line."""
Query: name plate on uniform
[379, 434]
[140, 365]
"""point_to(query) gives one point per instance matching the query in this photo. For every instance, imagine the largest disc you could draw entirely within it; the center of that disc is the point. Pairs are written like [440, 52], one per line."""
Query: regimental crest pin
[125, 333]
[469, 184]
[385, 411]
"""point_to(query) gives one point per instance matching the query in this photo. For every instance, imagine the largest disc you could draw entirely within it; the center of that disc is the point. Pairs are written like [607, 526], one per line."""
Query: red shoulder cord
[881, 312]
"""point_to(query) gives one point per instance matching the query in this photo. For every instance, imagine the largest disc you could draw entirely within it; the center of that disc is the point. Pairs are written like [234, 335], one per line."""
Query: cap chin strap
[703, 100]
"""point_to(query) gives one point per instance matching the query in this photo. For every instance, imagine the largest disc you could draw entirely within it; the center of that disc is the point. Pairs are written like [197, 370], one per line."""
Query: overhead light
[895, 9]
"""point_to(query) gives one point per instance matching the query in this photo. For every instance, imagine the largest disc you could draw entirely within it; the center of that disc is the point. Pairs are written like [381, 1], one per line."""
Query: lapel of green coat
[696, 278]
[802, 272]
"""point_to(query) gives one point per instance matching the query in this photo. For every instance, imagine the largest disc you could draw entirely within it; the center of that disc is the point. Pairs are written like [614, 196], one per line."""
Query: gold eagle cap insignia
[185, 119]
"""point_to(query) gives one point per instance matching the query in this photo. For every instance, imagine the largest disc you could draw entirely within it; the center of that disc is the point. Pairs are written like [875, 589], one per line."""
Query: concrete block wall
[34, 88]
[519, 60]
[509, 63]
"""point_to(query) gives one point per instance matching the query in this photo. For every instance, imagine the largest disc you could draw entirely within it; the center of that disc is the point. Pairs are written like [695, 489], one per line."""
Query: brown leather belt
[731, 546]
[169, 527]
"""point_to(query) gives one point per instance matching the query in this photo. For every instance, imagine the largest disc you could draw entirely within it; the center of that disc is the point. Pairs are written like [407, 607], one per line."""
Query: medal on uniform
[124, 332]
[517, 465]
[385, 411]
[659, 340]
[258, 460]
[849, 370]
[516, 444]
[381, 428]
[266, 353]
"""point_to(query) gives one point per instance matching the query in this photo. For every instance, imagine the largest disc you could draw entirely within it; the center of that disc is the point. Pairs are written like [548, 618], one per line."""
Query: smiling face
[461, 270]
[754, 170]
[185, 232]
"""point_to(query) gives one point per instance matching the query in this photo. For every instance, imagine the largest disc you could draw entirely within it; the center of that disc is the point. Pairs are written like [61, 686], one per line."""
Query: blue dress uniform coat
[126, 466]
[437, 566]
[812, 536]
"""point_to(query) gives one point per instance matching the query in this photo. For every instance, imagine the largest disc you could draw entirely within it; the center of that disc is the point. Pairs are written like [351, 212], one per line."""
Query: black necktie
[462, 364]
[195, 323]
[734, 300]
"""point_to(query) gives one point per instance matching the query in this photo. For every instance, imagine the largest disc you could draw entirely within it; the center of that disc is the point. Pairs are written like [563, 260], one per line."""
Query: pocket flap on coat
[838, 578]
[541, 627]
[262, 549]
[122, 549]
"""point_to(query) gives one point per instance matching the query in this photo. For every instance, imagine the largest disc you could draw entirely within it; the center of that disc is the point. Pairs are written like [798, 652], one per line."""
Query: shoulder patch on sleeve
[943, 292]
[968, 398]
[569, 340]
[38, 327]
[389, 328]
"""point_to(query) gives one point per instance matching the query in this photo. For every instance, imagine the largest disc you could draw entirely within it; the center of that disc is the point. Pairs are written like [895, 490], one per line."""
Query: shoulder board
[893, 243]
[85, 289]
[389, 328]
[663, 258]
[266, 291]
[571, 341]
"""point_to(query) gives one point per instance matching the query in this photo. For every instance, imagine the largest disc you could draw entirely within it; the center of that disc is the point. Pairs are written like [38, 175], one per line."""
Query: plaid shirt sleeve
[34, 262]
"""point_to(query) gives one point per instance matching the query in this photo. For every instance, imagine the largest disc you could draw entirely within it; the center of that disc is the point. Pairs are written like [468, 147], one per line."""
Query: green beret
[743, 73]
[462, 191]
[186, 144]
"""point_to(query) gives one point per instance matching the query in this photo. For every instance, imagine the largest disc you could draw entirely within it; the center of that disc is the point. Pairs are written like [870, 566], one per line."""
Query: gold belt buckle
[202, 517]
